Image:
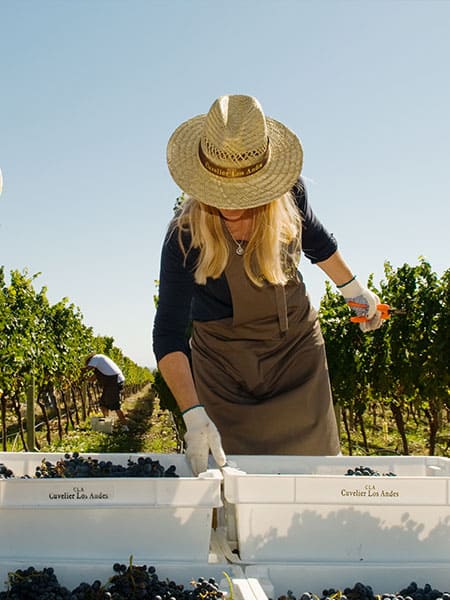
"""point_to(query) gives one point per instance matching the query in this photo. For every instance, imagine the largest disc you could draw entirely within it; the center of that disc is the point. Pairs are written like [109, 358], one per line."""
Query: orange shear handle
[384, 309]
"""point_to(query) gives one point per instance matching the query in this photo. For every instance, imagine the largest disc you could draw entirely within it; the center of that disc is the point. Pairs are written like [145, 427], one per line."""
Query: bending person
[253, 378]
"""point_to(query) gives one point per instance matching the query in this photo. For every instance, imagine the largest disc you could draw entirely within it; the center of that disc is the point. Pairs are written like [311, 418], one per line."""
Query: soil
[151, 429]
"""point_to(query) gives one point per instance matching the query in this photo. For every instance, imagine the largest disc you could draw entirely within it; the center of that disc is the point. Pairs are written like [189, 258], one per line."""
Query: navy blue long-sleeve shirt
[182, 300]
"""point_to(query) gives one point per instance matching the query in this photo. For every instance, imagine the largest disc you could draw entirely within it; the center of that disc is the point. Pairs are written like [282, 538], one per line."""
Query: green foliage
[345, 348]
[179, 202]
[47, 343]
[404, 364]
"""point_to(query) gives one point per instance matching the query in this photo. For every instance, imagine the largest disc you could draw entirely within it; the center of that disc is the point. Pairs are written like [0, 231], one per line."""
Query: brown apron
[262, 374]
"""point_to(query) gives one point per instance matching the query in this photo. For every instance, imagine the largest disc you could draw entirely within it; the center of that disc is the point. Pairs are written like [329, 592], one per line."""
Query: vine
[43, 346]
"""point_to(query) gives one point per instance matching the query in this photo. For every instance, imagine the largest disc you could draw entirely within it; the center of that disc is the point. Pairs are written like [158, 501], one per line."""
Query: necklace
[240, 249]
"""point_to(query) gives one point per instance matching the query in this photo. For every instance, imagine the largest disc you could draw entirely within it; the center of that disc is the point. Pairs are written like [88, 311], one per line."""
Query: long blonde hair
[273, 249]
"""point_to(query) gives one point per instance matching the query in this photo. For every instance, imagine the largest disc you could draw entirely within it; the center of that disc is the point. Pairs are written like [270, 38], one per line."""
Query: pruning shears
[385, 310]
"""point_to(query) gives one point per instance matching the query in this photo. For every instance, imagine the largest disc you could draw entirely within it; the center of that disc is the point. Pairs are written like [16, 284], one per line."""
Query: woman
[253, 378]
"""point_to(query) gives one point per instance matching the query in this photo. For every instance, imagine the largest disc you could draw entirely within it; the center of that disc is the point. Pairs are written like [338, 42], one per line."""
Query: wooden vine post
[31, 416]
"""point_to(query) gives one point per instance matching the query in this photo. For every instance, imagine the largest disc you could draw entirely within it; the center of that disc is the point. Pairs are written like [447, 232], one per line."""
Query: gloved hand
[355, 292]
[201, 437]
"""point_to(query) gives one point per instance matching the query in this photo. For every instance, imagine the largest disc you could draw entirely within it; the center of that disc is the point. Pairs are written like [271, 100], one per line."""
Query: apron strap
[280, 297]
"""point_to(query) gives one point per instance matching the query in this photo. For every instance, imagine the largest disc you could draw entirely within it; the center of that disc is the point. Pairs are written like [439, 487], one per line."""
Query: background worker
[111, 380]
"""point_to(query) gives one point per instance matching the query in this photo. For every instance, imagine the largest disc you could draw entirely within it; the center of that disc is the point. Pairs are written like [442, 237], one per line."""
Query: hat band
[232, 172]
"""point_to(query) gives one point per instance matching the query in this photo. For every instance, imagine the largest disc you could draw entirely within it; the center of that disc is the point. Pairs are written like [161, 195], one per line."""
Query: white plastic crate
[273, 581]
[71, 573]
[298, 508]
[102, 424]
[164, 519]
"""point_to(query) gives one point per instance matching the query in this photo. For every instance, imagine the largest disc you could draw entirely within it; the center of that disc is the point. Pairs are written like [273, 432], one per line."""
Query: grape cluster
[128, 583]
[360, 591]
[5, 473]
[87, 591]
[30, 584]
[368, 472]
[143, 583]
[414, 592]
[76, 466]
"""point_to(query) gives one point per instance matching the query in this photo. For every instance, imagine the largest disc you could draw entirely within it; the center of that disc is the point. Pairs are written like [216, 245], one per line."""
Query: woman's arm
[176, 370]
[170, 339]
[201, 436]
[173, 312]
[340, 273]
[336, 268]
[170, 344]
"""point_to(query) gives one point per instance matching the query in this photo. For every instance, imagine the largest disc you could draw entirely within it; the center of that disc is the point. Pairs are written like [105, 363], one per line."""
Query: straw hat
[234, 157]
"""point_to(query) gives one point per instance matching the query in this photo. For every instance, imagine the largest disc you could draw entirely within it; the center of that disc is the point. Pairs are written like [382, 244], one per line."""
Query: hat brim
[276, 178]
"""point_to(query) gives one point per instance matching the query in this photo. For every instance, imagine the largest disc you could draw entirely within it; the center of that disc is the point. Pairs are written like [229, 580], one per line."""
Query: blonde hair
[272, 252]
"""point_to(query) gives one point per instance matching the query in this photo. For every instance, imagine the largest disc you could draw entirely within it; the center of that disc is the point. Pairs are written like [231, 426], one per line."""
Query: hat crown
[234, 156]
[234, 132]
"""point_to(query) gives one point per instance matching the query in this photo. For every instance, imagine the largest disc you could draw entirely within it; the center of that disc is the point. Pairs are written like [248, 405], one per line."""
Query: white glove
[201, 437]
[355, 292]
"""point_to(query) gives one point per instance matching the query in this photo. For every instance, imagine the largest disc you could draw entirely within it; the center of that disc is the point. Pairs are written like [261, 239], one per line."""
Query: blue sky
[90, 91]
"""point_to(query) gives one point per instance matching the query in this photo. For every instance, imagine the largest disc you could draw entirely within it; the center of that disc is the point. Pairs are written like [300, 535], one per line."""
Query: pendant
[240, 250]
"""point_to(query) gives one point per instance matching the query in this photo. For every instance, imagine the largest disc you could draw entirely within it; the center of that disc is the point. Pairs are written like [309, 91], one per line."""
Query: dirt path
[151, 429]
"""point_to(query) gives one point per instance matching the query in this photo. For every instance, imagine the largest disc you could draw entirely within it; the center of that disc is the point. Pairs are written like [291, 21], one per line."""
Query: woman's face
[233, 214]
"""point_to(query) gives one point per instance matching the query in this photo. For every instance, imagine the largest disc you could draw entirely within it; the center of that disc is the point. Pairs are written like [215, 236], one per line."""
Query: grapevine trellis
[42, 351]
[401, 368]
